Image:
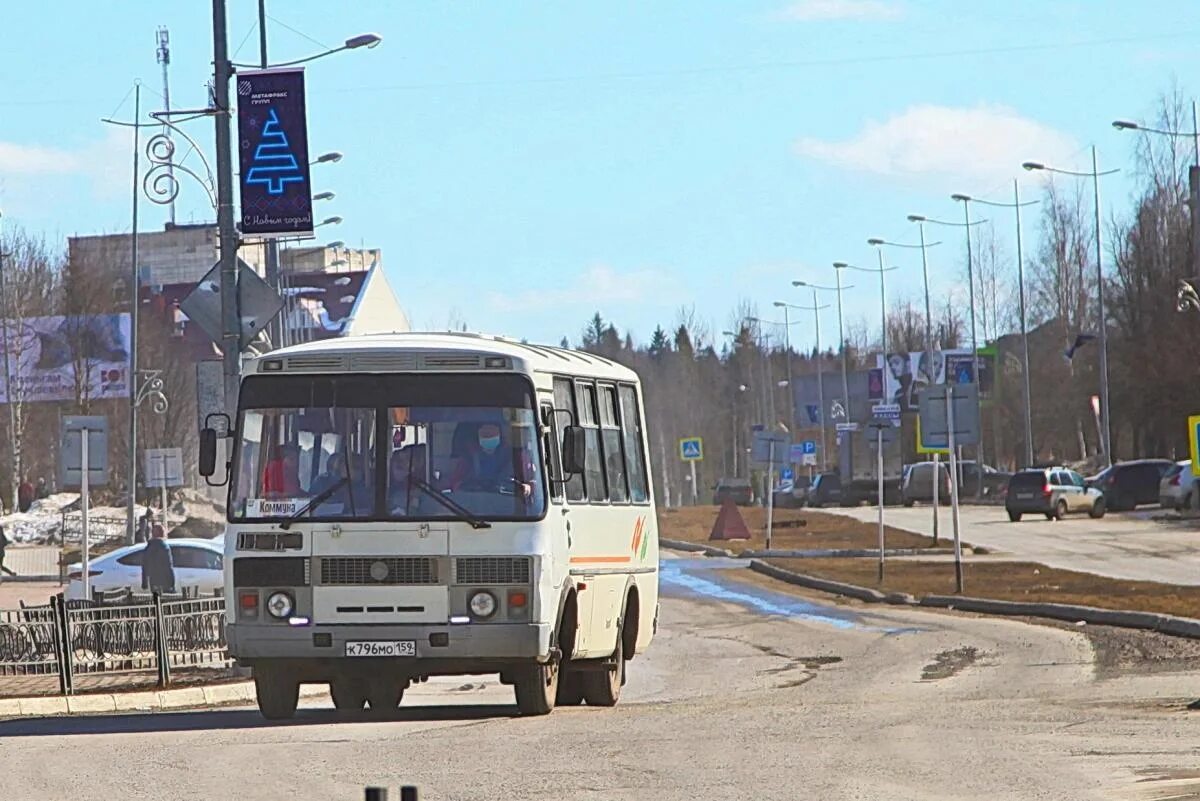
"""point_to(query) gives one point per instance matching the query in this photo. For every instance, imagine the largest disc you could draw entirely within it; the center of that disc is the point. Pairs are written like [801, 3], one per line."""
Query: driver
[485, 465]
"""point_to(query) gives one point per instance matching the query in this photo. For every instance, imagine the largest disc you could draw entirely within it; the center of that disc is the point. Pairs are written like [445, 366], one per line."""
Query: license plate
[381, 648]
[1024, 495]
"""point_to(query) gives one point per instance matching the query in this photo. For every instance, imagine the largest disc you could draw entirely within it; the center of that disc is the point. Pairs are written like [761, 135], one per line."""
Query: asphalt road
[1124, 545]
[756, 695]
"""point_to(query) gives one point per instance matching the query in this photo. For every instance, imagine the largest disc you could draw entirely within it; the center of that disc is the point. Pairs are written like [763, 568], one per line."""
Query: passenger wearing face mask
[483, 463]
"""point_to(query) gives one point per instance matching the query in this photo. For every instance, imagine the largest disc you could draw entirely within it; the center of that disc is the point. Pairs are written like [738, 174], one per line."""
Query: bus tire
[570, 688]
[277, 691]
[348, 695]
[536, 688]
[385, 694]
[603, 687]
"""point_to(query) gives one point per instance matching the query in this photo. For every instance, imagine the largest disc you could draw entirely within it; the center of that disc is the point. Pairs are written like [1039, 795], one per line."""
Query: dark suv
[1127, 485]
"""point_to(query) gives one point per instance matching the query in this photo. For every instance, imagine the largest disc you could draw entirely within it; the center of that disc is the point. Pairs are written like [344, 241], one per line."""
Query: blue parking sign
[809, 446]
[786, 474]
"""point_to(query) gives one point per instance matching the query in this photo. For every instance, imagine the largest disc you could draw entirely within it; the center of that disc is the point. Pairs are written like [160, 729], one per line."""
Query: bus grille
[379, 570]
[491, 570]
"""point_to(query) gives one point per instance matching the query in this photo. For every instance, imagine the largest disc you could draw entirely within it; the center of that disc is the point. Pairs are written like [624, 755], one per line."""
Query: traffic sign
[70, 452]
[162, 467]
[935, 430]
[796, 452]
[786, 474]
[769, 447]
[691, 449]
[886, 411]
[810, 459]
[847, 426]
[1194, 442]
[921, 448]
[808, 446]
[258, 304]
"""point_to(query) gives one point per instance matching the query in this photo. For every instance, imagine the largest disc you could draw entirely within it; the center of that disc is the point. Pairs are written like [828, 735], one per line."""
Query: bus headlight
[483, 604]
[280, 605]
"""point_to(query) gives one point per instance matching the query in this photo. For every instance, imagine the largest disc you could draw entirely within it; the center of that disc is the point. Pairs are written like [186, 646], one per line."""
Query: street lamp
[1095, 174]
[841, 330]
[324, 196]
[335, 220]
[966, 226]
[1016, 207]
[841, 265]
[787, 344]
[331, 157]
[367, 40]
[1193, 174]
[815, 309]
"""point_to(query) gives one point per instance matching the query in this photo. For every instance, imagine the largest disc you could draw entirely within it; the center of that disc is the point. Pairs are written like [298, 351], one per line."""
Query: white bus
[410, 505]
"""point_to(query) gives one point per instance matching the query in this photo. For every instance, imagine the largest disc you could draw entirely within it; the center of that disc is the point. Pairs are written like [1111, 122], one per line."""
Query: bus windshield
[423, 447]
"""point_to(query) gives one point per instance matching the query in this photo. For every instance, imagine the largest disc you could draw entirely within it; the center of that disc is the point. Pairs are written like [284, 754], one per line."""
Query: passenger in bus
[408, 466]
[281, 477]
[481, 464]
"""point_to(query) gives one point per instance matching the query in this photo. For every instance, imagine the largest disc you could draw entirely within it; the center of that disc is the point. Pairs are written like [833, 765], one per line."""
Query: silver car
[1177, 485]
[1054, 492]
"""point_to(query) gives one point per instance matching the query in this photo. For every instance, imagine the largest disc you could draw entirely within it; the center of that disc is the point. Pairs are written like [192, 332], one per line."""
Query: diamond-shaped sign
[258, 304]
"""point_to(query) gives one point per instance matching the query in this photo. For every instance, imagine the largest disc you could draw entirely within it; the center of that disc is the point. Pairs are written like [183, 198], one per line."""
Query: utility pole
[135, 301]
[14, 441]
[271, 247]
[226, 232]
[164, 58]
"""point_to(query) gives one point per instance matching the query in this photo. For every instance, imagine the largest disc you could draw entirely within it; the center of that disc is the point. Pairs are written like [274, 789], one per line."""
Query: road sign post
[770, 490]
[83, 462]
[958, 573]
[86, 572]
[691, 450]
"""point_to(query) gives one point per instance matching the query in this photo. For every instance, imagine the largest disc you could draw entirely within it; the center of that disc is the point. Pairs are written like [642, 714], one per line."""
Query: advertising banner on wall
[905, 374]
[276, 197]
[66, 358]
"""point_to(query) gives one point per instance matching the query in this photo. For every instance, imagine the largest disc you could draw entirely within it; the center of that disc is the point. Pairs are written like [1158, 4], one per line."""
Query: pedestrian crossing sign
[1194, 442]
[691, 449]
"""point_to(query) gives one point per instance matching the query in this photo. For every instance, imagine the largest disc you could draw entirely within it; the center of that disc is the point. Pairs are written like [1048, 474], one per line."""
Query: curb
[817, 553]
[692, 547]
[141, 701]
[1120, 618]
[24, 577]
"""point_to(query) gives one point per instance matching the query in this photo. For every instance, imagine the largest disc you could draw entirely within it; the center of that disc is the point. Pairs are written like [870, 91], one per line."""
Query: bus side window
[551, 452]
[564, 398]
[610, 441]
[635, 456]
[593, 479]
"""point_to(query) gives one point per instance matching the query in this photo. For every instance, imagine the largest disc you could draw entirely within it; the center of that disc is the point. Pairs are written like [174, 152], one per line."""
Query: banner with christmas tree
[276, 196]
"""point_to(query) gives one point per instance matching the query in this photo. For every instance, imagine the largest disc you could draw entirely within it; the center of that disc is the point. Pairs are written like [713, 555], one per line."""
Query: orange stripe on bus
[579, 559]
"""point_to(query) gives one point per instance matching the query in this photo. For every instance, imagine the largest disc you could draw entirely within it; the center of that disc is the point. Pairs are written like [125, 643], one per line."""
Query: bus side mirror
[574, 450]
[208, 452]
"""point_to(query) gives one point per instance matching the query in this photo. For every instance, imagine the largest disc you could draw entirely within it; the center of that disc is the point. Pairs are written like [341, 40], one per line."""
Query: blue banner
[276, 196]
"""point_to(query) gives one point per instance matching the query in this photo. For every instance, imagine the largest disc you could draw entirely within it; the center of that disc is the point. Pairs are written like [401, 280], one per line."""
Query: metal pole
[937, 471]
[842, 340]
[958, 575]
[1106, 410]
[163, 473]
[879, 468]
[1024, 331]
[882, 307]
[820, 380]
[226, 232]
[86, 578]
[133, 325]
[1195, 133]
[695, 491]
[1194, 193]
[787, 344]
[770, 488]
[974, 351]
[271, 247]
[13, 439]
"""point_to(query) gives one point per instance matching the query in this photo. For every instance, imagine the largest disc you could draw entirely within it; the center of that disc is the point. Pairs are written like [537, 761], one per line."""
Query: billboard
[906, 374]
[65, 358]
[276, 197]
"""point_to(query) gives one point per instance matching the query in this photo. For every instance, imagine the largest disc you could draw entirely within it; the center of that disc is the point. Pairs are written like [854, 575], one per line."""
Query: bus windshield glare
[359, 447]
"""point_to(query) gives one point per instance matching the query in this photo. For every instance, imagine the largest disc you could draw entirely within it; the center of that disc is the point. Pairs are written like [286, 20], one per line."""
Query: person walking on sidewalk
[158, 570]
[3, 545]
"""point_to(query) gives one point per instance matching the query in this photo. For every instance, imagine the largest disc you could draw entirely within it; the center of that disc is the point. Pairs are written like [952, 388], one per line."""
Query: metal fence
[137, 638]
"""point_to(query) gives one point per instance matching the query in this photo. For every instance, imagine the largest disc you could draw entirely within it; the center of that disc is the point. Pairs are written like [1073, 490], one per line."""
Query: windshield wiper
[454, 506]
[315, 500]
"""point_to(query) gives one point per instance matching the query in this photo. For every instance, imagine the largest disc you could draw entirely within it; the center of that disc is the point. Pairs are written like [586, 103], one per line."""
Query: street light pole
[227, 235]
[842, 340]
[136, 299]
[6, 321]
[271, 246]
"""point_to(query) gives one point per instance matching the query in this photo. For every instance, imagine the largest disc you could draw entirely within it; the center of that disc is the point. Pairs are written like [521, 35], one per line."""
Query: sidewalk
[36, 562]
[31, 592]
[148, 701]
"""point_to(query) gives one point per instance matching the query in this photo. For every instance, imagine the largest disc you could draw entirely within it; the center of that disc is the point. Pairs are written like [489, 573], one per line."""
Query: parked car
[995, 482]
[1177, 485]
[826, 489]
[1127, 485]
[739, 489]
[1052, 491]
[199, 564]
[792, 493]
[917, 484]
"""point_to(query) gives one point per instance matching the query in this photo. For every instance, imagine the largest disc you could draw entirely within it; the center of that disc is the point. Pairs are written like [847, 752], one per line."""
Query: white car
[199, 564]
[1177, 485]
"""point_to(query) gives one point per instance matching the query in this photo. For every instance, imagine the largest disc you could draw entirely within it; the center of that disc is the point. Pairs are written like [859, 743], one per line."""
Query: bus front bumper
[483, 641]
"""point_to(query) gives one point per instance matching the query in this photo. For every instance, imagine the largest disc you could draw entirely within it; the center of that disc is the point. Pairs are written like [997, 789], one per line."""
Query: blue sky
[525, 164]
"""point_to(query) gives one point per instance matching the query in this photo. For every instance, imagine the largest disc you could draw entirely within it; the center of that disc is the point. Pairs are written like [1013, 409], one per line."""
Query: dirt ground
[822, 530]
[1007, 581]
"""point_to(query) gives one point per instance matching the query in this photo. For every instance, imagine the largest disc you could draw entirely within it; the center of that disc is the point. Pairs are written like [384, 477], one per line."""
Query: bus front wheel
[536, 687]
[277, 691]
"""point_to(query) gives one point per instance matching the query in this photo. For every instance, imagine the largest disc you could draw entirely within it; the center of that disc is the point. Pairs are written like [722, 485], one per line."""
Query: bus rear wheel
[536, 688]
[570, 688]
[603, 687]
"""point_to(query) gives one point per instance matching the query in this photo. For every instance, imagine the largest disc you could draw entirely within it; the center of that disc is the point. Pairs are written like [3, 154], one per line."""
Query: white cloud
[597, 284]
[105, 162]
[32, 160]
[823, 10]
[984, 142]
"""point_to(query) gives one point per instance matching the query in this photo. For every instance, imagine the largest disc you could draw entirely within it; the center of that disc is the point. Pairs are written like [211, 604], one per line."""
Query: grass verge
[1006, 581]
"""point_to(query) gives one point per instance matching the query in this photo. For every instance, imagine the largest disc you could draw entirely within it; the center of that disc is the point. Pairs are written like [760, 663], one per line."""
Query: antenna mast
[164, 58]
